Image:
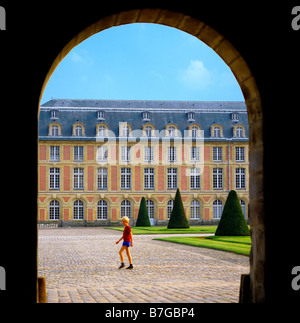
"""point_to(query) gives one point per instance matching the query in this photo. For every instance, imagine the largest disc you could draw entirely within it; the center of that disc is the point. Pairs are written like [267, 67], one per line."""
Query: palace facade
[98, 158]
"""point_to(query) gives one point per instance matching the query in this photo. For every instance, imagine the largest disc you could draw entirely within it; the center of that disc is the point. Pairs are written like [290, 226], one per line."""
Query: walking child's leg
[121, 253]
[129, 255]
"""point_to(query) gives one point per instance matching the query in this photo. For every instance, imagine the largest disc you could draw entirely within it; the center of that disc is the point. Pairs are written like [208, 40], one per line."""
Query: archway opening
[248, 86]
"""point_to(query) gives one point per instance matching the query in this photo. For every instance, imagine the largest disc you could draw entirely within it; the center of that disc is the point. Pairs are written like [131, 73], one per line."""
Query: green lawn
[239, 245]
[165, 230]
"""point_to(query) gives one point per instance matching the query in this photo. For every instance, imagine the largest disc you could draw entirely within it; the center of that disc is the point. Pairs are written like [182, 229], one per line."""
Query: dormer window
[54, 130]
[191, 116]
[216, 131]
[54, 114]
[101, 115]
[171, 131]
[78, 130]
[125, 131]
[146, 116]
[234, 116]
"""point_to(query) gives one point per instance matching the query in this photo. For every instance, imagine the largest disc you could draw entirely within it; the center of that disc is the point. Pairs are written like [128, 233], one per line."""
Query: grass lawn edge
[208, 242]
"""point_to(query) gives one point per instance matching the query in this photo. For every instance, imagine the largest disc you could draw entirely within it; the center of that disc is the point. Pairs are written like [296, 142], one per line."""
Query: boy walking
[127, 243]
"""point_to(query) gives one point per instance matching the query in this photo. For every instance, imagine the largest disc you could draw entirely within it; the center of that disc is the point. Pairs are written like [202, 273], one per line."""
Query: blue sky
[143, 62]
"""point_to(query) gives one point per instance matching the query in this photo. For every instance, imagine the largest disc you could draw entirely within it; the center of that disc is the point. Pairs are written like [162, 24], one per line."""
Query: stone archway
[244, 77]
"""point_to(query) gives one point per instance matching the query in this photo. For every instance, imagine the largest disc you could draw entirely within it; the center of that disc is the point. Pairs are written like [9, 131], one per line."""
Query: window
[191, 116]
[54, 153]
[218, 178]
[239, 132]
[195, 210]
[125, 154]
[172, 154]
[126, 209]
[149, 178]
[102, 210]
[54, 210]
[78, 131]
[78, 178]
[194, 132]
[149, 154]
[195, 178]
[148, 131]
[102, 153]
[217, 153]
[151, 209]
[234, 116]
[217, 209]
[217, 132]
[243, 205]
[172, 178]
[54, 130]
[125, 131]
[78, 153]
[240, 178]
[100, 115]
[102, 131]
[195, 153]
[239, 154]
[78, 210]
[54, 178]
[169, 208]
[125, 178]
[102, 178]
[54, 114]
[146, 116]
[171, 131]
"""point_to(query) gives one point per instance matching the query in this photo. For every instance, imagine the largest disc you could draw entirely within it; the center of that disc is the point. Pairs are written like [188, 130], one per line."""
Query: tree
[143, 218]
[232, 222]
[178, 218]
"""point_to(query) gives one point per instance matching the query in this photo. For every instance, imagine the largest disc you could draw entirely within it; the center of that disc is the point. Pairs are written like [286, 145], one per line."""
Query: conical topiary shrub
[143, 218]
[232, 222]
[178, 218]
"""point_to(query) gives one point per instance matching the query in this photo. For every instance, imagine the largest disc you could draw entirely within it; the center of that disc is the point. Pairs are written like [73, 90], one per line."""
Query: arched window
[169, 208]
[54, 130]
[148, 131]
[217, 132]
[102, 210]
[54, 210]
[101, 131]
[239, 132]
[171, 131]
[78, 210]
[126, 209]
[217, 209]
[195, 209]
[125, 131]
[243, 205]
[195, 132]
[151, 209]
[78, 131]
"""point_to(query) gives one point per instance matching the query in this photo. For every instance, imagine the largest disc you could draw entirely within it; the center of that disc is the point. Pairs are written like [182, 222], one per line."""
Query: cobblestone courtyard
[81, 265]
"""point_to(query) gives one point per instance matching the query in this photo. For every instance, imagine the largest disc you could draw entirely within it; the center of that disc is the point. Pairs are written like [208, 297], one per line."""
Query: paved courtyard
[81, 266]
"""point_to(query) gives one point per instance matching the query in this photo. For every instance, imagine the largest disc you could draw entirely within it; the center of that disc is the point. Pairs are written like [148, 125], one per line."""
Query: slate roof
[162, 113]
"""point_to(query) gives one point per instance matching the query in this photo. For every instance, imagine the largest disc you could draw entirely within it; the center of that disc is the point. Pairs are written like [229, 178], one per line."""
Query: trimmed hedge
[178, 218]
[232, 222]
[143, 218]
